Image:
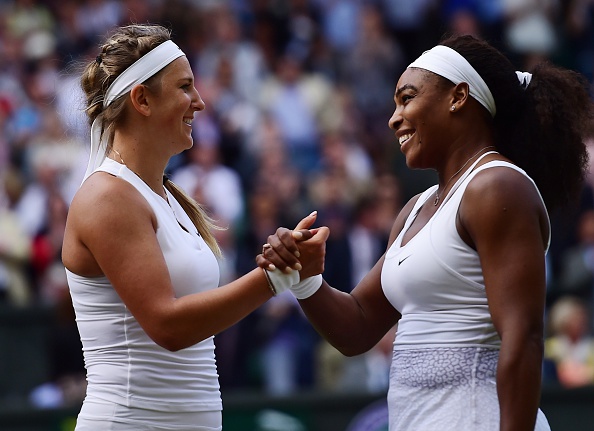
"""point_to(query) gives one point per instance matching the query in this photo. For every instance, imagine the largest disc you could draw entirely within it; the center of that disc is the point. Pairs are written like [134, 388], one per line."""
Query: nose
[197, 102]
[396, 119]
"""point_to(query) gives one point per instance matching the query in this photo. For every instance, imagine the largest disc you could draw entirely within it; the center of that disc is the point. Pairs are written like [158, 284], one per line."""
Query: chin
[188, 144]
[414, 158]
[413, 163]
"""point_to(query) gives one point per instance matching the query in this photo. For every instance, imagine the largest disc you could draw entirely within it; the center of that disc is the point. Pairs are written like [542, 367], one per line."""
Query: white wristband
[279, 281]
[307, 287]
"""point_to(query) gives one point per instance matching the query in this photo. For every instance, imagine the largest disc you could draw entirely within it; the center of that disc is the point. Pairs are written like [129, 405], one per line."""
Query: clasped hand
[301, 249]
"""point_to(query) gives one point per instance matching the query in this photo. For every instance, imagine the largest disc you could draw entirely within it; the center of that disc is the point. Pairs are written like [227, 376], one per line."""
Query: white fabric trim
[307, 287]
[446, 62]
[141, 70]
[524, 78]
[282, 281]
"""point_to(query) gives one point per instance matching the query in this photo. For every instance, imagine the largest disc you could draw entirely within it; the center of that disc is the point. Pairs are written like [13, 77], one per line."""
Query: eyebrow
[404, 88]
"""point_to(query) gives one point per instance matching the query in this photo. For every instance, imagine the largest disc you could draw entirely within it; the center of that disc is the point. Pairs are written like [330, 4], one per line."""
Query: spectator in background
[339, 25]
[570, 345]
[464, 21]
[365, 238]
[531, 30]
[236, 118]
[476, 17]
[274, 174]
[355, 244]
[5, 149]
[287, 346]
[346, 172]
[15, 243]
[205, 178]
[27, 17]
[302, 27]
[368, 69]
[71, 42]
[303, 106]
[95, 18]
[388, 203]
[412, 24]
[226, 42]
[52, 148]
[576, 275]
[580, 34]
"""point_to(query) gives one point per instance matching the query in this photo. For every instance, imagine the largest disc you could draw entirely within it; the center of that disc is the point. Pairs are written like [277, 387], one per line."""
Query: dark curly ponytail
[541, 128]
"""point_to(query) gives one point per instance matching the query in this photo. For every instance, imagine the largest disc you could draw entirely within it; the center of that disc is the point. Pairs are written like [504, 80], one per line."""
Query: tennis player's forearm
[339, 319]
[192, 318]
[519, 384]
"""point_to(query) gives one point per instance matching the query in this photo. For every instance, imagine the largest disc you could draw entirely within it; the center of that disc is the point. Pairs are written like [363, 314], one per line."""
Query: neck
[456, 158]
[464, 165]
[138, 160]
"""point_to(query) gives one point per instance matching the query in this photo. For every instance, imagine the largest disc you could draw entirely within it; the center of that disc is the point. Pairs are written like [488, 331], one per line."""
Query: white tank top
[435, 280]
[123, 364]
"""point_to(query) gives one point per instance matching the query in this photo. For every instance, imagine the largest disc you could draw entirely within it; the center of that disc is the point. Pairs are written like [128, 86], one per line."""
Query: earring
[453, 108]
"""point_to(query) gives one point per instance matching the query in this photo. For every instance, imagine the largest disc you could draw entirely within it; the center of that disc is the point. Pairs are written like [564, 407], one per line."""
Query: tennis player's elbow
[171, 344]
[166, 340]
[175, 343]
[350, 348]
[181, 337]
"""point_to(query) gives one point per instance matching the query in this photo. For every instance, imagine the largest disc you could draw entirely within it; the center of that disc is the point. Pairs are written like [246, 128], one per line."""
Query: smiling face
[176, 100]
[421, 117]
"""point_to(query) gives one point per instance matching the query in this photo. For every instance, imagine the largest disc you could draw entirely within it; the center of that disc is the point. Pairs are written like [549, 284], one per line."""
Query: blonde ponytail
[202, 221]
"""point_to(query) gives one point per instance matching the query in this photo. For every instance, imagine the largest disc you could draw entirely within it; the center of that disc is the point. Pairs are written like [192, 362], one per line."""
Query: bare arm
[111, 231]
[352, 322]
[504, 218]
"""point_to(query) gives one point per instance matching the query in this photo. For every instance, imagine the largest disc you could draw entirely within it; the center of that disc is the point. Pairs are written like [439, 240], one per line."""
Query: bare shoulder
[499, 199]
[105, 210]
[502, 187]
[104, 198]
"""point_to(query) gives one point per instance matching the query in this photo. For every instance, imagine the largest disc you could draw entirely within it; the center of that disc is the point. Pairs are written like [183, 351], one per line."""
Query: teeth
[404, 138]
[188, 121]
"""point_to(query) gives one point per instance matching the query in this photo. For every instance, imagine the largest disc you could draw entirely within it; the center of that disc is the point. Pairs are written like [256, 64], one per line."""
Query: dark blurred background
[298, 96]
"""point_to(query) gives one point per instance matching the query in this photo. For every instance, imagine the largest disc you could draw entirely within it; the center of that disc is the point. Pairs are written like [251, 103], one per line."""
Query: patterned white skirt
[101, 415]
[446, 389]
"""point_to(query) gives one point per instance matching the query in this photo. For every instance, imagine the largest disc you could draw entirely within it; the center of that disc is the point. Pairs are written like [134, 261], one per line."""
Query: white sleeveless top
[435, 280]
[124, 365]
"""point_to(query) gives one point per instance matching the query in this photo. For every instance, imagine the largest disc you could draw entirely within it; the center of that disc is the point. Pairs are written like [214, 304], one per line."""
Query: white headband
[448, 63]
[137, 73]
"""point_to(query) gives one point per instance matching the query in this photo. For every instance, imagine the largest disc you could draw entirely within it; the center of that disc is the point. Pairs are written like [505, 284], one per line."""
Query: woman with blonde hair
[140, 255]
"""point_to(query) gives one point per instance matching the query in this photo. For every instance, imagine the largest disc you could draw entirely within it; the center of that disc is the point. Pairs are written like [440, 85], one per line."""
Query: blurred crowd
[298, 94]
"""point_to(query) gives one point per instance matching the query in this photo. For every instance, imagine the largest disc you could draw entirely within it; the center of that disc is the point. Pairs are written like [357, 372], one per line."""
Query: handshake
[294, 259]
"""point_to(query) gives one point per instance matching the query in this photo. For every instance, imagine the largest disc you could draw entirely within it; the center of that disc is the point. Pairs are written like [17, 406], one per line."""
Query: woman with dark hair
[140, 256]
[464, 273]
